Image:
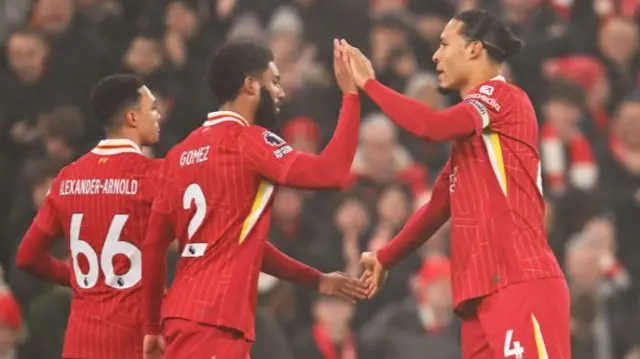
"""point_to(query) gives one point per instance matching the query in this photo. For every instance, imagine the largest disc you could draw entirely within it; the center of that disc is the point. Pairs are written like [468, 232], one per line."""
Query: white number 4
[511, 347]
[112, 247]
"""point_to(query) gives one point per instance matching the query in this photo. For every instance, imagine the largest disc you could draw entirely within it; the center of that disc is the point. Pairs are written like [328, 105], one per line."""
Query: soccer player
[216, 196]
[100, 204]
[507, 284]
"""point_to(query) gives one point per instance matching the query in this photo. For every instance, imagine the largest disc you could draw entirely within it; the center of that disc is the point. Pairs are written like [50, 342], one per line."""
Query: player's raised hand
[374, 275]
[360, 66]
[341, 69]
[343, 286]
[153, 347]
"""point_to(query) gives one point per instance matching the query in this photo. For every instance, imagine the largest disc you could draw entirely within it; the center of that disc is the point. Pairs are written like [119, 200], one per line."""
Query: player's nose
[436, 56]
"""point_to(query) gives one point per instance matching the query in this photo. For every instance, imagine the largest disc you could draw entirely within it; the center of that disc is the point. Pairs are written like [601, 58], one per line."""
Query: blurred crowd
[580, 66]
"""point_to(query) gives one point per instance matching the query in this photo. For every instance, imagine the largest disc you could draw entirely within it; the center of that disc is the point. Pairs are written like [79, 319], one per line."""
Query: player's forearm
[421, 120]
[33, 257]
[281, 266]
[331, 168]
[420, 227]
[154, 267]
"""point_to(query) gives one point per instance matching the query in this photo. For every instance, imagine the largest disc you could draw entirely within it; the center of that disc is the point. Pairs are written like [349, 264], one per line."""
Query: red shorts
[185, 339]
[527, 320]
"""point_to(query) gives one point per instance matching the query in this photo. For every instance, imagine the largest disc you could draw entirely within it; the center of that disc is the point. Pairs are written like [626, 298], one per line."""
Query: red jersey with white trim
[495, 192]
[217, 192]
[101, 204]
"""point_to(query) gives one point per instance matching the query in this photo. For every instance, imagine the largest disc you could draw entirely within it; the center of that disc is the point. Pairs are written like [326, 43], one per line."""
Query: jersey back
[101, 204]
[219, 210]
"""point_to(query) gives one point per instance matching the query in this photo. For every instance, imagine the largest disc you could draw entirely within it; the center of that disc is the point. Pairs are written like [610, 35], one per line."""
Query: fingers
[351, 287]
[374, 286]
[355, 289]
[365, 277]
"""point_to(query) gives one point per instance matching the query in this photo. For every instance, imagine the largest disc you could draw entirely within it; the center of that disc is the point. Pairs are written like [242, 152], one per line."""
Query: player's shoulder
[222, 122]
[262, 136]
[496, 94]
[79, 165]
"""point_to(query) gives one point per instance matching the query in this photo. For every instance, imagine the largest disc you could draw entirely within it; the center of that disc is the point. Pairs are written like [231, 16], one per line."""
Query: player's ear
[475, 49]
[130, 118]
[251, 85]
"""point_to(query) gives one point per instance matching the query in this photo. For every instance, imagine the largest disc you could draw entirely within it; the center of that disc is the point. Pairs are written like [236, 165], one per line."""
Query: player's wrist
[369, 83]
[350, 96]
[152, 329]
[382, 258]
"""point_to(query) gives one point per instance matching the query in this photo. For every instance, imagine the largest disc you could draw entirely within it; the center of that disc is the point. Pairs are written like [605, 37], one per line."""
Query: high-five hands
[359, 65]
[374, 274]
[341, 69]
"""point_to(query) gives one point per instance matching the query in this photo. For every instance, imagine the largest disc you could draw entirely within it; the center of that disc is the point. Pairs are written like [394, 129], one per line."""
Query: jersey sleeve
[426, 221]
[269, 156]
[266, 153]
[166, 188]
[47, 219]
[421, 120]
[33, 253]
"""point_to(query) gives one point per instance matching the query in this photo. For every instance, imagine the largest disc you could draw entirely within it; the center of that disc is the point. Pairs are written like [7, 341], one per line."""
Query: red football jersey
[217, 193]
[101, 204]
[491, 188]
[495, 189]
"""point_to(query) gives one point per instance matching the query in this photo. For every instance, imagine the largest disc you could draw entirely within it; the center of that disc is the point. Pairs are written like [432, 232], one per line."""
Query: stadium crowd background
[580, 68]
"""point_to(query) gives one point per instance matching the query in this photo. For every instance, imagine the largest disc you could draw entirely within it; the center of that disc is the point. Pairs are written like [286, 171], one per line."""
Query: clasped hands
[351, 66]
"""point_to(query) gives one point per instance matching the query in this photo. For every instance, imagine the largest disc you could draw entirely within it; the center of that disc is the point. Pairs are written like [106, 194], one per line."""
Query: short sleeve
[47, 219]
[266, 153]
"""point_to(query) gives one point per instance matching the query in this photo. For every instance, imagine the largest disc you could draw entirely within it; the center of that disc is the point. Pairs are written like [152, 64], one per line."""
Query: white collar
[499, 78]
[116, 146]
[214, 118]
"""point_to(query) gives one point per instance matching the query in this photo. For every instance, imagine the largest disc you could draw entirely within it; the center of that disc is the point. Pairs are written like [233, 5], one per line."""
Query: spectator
[330, 337]
[381, 160]
[412, 328]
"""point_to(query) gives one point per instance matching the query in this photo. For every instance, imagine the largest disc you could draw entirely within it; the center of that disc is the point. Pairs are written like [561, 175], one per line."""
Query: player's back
[103, 201]
[219, 211]
[497, 208]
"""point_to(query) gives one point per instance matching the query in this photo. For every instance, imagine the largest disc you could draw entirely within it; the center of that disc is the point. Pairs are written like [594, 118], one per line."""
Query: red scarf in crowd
[582, 167]
[327, 347]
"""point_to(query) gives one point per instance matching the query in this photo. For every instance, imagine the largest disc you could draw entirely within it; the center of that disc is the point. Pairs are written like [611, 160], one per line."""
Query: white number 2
[512, 348]
[112, 247]
[194, 195]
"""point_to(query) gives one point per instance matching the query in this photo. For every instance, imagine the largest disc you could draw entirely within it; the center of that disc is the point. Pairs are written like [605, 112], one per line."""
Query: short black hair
[111, 95]
[566, 92]
[497, 38]
[232, 63]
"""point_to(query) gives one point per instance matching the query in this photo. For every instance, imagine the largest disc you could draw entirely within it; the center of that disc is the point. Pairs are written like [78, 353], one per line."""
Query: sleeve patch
[272, 139]
[484, 114]
[282, 151]
[486, 89]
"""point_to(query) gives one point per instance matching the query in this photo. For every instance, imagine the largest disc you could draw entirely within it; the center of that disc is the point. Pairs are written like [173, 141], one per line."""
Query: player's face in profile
[451, 57]
[148, 117]
[271, 95]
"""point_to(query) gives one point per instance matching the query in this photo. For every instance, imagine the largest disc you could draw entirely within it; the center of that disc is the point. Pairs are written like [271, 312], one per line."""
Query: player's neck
[121, 135]
[478, 78]
[241, 108]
